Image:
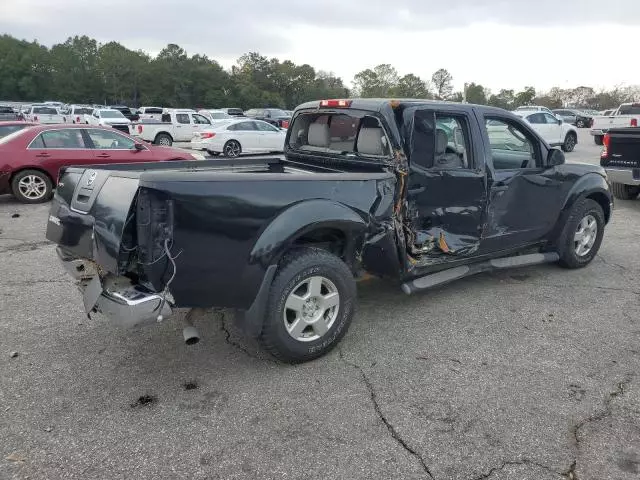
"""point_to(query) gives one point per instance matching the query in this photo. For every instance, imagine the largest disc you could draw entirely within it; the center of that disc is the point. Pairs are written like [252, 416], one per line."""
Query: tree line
[384, 81]
[81, 70]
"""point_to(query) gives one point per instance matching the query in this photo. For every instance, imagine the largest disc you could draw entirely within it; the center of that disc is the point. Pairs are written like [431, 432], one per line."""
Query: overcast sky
[498, 43]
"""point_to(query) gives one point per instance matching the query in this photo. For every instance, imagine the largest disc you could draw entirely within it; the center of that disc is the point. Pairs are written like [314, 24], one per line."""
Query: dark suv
[274, 116]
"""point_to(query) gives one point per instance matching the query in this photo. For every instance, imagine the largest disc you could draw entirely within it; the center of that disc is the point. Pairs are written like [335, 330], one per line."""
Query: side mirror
[555, 158]
[138, 147]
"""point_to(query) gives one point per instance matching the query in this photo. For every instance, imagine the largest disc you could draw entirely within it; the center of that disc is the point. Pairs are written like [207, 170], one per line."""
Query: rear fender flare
[302, 218]
[591, 185]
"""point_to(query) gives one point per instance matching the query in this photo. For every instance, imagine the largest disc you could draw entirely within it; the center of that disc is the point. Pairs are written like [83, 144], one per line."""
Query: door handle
[103, 155]
[43, 155]
[500, 188]
[416, 190]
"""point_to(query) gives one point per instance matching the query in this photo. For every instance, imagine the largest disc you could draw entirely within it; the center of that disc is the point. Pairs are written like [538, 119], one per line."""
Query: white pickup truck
[175, 126]
[626, 115]
[45, 114]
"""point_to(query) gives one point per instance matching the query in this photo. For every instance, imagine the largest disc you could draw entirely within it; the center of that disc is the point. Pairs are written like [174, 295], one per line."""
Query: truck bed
[216, 215]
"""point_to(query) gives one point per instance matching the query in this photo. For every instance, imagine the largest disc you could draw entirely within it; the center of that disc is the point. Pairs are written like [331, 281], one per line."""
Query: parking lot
[523, 374]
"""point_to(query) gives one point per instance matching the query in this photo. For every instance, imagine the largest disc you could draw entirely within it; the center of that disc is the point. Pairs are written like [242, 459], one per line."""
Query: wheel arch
[335, 226]
[39, 169]
[592, 186]
[163, 133]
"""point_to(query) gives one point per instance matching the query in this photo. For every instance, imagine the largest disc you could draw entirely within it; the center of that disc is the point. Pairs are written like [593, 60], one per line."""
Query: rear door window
[630, 110]
[339, 133]
[183, 118]
[59, 139]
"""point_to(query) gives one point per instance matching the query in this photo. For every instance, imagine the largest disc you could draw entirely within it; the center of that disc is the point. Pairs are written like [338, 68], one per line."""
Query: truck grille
[122, 128]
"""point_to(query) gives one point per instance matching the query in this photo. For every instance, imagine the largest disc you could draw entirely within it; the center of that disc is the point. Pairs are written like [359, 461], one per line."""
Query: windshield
[629, 110]
[45, 110]
[11, 136]
[8, 129]
[278, 113]
[339, 133]
[111, 114]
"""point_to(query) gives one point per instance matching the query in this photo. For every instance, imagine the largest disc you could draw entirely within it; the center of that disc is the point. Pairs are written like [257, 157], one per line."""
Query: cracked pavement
[528, 374]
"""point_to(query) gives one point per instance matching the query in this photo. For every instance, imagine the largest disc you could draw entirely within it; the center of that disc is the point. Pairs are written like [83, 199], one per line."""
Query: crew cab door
[525, 194]
[182, 128]
[446, 185]
[199, 123]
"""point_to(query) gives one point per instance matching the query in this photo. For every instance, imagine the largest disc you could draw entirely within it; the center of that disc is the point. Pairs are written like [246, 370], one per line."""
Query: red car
[31, 158]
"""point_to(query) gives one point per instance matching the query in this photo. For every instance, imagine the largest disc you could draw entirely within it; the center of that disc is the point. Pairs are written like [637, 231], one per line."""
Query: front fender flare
[301, 218]
[590, 185]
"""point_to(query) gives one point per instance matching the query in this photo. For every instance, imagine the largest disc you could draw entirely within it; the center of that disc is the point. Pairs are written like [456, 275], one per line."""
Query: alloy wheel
[311, 309]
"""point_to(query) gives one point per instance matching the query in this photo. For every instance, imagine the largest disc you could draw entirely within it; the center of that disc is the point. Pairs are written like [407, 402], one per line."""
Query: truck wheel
[570, 142]
[311, 305]
[163, 139]
[582, 234]
[598, 139]
[624, 192]
[232, 149]
[32, 186]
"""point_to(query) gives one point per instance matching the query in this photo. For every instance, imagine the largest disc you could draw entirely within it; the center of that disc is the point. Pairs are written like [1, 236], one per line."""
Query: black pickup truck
[621, 159]
[419, 192]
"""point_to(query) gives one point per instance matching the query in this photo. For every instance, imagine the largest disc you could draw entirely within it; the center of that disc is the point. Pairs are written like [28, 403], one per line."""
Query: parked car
[533, 108]
[574, 117]
[281, 241]
[126, 111]
[107, 117]
[626, 115]
[79, 113]
[176, 126]
[216, 115]
[554, 131]
[235, 137]
[31, 158]
[621, 159]
[9, 127]
[7, 113]
[274, 116]
[234, 112]
[45, 114]
[154, 113]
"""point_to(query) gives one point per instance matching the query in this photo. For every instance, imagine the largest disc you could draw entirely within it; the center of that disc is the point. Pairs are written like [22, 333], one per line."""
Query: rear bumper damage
[120, 301]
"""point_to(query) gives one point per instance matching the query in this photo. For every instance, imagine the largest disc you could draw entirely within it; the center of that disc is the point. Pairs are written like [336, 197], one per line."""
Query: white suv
[552, 129]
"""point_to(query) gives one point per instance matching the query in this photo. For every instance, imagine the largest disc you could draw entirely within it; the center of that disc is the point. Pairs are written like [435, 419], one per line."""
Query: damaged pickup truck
[419, 192]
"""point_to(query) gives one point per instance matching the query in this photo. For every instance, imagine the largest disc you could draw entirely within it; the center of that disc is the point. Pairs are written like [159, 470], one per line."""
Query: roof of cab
[380, 104]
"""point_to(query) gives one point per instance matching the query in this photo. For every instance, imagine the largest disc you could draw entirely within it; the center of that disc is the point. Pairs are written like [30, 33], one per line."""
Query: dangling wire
[167, 253]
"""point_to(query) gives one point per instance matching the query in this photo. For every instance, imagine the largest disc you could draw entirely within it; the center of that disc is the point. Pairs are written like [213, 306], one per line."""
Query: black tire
[570, 142]
[163, 139]
[624, 192]
[580, 123]
[298, 266]
[232, 149]
[44, 193]
[567, 245]
[598, 139]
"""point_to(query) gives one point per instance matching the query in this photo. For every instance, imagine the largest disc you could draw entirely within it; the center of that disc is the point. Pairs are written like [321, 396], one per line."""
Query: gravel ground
[526, 374]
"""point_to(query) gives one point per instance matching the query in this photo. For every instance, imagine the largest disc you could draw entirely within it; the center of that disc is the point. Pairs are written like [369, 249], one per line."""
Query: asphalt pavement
[529, 374]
